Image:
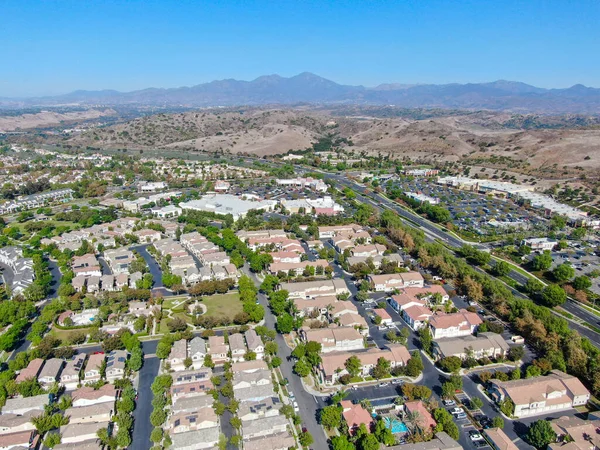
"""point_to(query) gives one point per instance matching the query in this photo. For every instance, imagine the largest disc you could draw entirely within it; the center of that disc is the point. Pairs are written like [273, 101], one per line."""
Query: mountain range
[310, 88]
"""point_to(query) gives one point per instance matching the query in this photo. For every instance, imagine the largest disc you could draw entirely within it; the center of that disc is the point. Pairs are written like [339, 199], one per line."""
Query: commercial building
[539, 244]
[224, 204]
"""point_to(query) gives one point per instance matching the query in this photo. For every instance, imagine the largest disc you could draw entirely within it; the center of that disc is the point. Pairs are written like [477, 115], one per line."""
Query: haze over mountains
[309, 88]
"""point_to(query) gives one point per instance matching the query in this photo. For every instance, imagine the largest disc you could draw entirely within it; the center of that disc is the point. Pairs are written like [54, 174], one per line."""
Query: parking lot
[582, 262]
[476, 213]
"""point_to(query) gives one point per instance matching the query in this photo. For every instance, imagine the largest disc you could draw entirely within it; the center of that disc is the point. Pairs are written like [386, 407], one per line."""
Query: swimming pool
[397, 426]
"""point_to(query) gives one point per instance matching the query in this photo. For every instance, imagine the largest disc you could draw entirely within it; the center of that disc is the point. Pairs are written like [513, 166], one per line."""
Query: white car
[296, 408]
[457, 410]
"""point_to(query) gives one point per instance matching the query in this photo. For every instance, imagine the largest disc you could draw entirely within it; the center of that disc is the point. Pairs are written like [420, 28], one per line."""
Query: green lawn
[227, 305]
[63, 335]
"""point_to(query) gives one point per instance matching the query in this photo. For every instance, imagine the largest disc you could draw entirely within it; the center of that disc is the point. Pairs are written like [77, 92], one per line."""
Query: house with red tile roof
[422, 418]
[355, 416]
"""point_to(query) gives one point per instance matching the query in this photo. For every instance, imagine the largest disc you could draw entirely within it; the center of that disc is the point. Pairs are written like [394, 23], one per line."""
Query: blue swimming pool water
[395, 425]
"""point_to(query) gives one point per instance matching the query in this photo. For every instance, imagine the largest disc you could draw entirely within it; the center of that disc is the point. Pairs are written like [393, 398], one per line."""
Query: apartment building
[461, 323]
[334, 339]
[490, 345]
[314, 289]
[389, 282]
[540, 395]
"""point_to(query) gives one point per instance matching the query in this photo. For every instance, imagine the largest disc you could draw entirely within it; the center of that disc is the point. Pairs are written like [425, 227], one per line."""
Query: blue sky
[56, 46]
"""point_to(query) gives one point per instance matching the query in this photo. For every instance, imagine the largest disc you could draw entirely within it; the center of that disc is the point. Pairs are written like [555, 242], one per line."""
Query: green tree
[353, 365]
[542, 262]
[285, 323]
[476, 403]
[502, 268]
[305, 439]
[382, 368]
[414, 366]
[341, 443]
[582, 283]
[541, 434]
[157, 435]
[451, 364]
[331, 417]
[563, 272]
[498, 422]
[516, 353]
[554, 295]
[302, 367]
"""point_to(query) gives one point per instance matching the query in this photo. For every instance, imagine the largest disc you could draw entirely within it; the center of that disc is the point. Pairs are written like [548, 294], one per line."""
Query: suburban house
[197, 351]
[539, 395]
[115, 364]
[191, 404]
[332, 365]
[89, 396]
[331, 231]
[217, 349]
[264, 426]
[191, 389]
[355, 416]
[31, 371]
[386, 319]
[278, 441]
[254, 393]
[296, 268]
[490, 345]
[249, 366]
[461, 323]
[70, 374]
[79, 432]
[51, 371]
[244, 380]
[199, 419]
[19, 440]
[334, 339]
[268, 407]
[255, 343]
[178, 355]
[206, 438]
[86, 395]
[573, 432]
[368, 250]
[86, 265]
[423, 418]
[286, 257]
[92, 369]
[17, 423]
[389, 282]
[237, 346]
[500, 441]
[22, 405]
[313, 289]
[416, 316]
[101, 412]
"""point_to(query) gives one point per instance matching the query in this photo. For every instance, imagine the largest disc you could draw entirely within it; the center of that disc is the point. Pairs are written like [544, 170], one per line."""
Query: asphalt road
[153, 266]
[418, 221]
[307, 403]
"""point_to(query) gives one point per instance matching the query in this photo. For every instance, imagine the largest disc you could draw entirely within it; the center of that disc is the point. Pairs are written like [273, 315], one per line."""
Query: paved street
[307, 403]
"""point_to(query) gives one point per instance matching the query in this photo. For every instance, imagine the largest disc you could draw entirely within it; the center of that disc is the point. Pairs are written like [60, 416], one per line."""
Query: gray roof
[14, 420]
[260, 406]
[197, 345]
[189, 438]
[254, 392]
[92, 444]
[251, 377]
[272, 442]
[189, 376]
[116, 359]
[89, 410]
[254, 341]
[483, 341]
[236, 342]
[52, 368]
[81, 429]
[264, 423]
[183, 404]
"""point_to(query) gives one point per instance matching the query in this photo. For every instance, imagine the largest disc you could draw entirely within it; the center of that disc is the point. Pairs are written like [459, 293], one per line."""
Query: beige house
[243, 380]
[70, 374]
[255, 343]
[178, 355]
[206, 438]
[539, 395]
[100, 412]
[79, 432]
[237, 346]
[490, 345]
[86, 395]
[199, 419]
[92, 369]
[264, 427]
[17, 423]
[462, 323]
[217, 349]
[335, 339]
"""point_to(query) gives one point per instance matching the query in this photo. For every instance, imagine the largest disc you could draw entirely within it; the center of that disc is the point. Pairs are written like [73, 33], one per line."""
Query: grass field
[63, 335]
[227, 305]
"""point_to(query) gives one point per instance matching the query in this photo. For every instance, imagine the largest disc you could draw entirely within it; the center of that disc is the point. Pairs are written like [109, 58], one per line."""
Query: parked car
[461, 416]
[449, 403]
[457, 410]
[474, 435]
[383, 384]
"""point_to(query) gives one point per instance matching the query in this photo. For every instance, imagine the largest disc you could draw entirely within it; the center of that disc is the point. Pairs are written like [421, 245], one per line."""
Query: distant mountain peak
[307, 87]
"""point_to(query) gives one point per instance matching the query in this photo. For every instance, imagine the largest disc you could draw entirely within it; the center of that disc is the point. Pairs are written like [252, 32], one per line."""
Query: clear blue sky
[56, 46]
